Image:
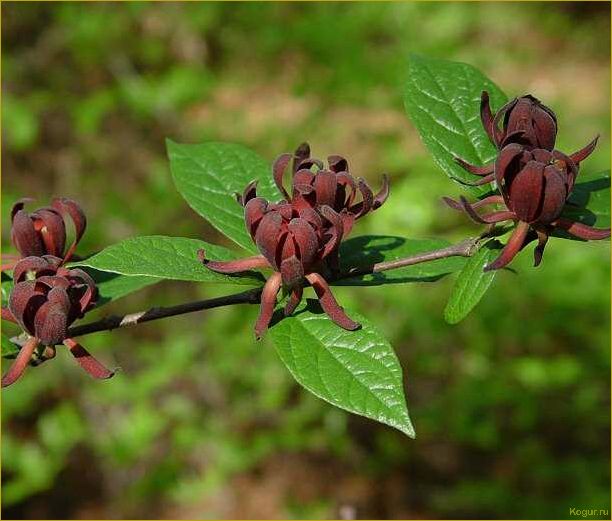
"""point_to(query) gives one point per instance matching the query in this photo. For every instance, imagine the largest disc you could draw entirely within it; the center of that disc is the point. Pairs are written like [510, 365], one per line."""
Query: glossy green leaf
[472, 283]
[209, 175]
[112, 286]
[367, 250]
[355, 370]
[166, 258]
[442, 99]
[589, 202]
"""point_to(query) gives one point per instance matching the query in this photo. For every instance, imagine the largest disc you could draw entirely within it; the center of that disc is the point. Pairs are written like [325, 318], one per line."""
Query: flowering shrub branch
[297, 234]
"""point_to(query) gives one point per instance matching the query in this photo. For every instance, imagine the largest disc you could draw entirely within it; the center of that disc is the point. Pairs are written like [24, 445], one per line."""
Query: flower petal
[278, 171]
[268, 235]
[21, 362]
[52, 230]
[583, 153]
[513, 246]
[305, 239]
[555, 194]
[268, 300]
[295, 297]
[91, 366]
[525, 191]
[583, 231]
[51, 323]
[325, 187]
[24, 236]
[254, 211]
[329, 303]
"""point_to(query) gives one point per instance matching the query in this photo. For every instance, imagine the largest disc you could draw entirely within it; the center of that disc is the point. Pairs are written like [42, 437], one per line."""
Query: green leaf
[367, 250]
[472, 283]
[354, 370]
[589, 202]
[167, 258]
[9, 350]
[208, 176]
[442, 99]
[112, 286]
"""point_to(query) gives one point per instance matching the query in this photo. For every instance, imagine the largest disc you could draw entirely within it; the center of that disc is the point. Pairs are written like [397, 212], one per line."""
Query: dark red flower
[534, 185]
[299, 237]
[333, 186]
[46, 299]
[43, 232]
[526, 122]
[295, 243]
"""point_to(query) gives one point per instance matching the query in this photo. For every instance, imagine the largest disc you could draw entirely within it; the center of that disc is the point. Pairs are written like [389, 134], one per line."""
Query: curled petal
[492, 199]
[305, 238]
[250, 192]
[336, 231]
[268, 300]
[24, 236]
[295, 297]
[254, 211]
[539, 249]
[51, 323]
[383, 193]
[473, 169]
[52, 230]
[364, 207]
[502, 114]
[278, 171]
[234, 266]
[483, 181]
[21, 362]
[309, 162]
[37, 265]
[72, 208]
[555, 194]
[329, 303]
[292, 271]
[24, 302]
[302, 152]
[583, 231]
[585, 152]
[345, 180]
[505, 159]
[337, 163]
[91, 366]
[325, 186]
[486, 116]
[525, 191]
[19, 205]
[514, 245]
[312, 216]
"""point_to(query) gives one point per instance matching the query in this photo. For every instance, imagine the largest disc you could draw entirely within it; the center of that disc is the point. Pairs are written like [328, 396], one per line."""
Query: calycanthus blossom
[534, 180]
[299, 237]
[43, 232]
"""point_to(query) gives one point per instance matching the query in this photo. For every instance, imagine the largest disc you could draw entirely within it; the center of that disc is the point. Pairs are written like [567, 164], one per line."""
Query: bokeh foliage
[202, 421]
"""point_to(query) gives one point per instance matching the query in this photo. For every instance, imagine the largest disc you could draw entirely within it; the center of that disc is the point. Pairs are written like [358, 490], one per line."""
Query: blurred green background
[511, 407]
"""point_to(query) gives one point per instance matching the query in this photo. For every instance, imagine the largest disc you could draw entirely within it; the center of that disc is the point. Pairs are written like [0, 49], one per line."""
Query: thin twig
[116, 321]
[465, 248]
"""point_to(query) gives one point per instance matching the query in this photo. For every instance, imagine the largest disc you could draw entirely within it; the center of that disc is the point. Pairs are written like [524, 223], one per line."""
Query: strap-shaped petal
[583, 153]
[295, 297]
[305, 239]
[24, 302]
[24, 236]
[87, 361]
[37, 265]
[302, 152]
[555, 194]
[583, 231]
[325, 186]
[50, 225]
[72, 209]
[337, 164]
[254, 211]
[268, 301]
[21, 362]
[525, 191]
[329, 303]
[278, 172]
[51, 323]
[268, 235]
[382, 194]
[292, 271]
[504, 163]
[486, 116]
[513, 246]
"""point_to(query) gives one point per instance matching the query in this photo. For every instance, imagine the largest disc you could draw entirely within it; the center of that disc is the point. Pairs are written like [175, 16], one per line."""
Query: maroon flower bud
[524, 120]
[333, 186]
[300, 237]
[534, 185]
[43, 232]
[45, 301]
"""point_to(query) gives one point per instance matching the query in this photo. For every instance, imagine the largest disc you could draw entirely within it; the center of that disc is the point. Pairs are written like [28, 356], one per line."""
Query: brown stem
[463, 249]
